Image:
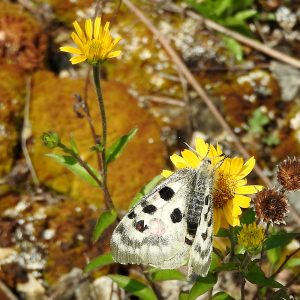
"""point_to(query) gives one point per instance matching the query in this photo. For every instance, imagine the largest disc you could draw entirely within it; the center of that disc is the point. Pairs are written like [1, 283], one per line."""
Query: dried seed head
[288, 174]
[271, 206]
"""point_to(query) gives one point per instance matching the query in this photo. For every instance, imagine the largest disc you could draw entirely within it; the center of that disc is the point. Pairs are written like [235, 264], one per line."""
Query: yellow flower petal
[116, 41]
[235, 222]
[70, 50]
[77, 40]
[166, 173]
[236, 165]
[248, 189]
[201, 148]
[191, 158]
[77, 59]
[242, 201]
[114, 54]
[228, 214]
[97, 26]
[89, 29]
[178, 161]
[79, 31]
[236, 210]
[240, 182]
[247, 168]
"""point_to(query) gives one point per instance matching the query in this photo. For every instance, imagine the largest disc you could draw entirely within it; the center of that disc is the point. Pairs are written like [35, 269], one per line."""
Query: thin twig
[292, 281]
[243, 288]
[164, 100]
[26, 132]
[239, 37]
[284, 262]
[201, 92]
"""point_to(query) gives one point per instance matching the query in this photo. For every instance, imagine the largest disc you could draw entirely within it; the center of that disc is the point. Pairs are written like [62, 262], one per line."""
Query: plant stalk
[97, 82]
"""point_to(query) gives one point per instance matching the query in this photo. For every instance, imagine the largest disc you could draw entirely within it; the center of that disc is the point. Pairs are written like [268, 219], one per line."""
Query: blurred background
[48, 214]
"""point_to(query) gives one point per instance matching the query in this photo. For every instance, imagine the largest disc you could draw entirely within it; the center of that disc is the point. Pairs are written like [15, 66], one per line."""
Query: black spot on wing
[144, 203]
[166, 193]
[207, 198]
[149, 209]
[131, 215]
[204, 235]
[188, 241]
[209, 222]
[192, 228]
[120, 229]
[140, 226]
[176, 215]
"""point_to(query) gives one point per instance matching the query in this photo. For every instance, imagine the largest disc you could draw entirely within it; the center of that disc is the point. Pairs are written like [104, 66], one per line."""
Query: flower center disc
[223, 190]
[93, 49]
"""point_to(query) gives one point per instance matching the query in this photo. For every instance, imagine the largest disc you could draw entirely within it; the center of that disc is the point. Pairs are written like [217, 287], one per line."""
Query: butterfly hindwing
[154, 231]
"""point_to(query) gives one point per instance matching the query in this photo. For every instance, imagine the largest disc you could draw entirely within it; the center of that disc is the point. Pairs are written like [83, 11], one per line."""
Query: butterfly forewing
[154, 231]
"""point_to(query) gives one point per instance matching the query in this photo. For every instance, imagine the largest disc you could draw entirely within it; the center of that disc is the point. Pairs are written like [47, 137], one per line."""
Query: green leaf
[257, 121]
[104, 221]
[222, 6]
[274, 255]
[183, 296]
[248, 216]
[73, 144]
[202, 285]
[256, 276]
[293, 262]
[115, 150]
[223, 232]
[71, 163]
[145, 190]
[272, 139]
[134, 287]
[245, 14]
[99, 262]
[222, 296]
[162, 275]
[231, 266]
[234, 47]
[279, 240]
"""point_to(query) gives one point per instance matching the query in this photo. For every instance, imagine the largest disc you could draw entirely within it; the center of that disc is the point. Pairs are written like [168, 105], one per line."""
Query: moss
[12, 93]
[52, 109]
[23, 42]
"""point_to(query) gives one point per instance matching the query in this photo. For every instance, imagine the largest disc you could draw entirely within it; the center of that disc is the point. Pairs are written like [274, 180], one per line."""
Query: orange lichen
[22, 40]
[52, 109]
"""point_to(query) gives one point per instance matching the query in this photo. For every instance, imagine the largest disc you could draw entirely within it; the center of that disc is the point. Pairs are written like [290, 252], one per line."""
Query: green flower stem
[232, 241]
[81, 162]
[97, 82]
[262, 247]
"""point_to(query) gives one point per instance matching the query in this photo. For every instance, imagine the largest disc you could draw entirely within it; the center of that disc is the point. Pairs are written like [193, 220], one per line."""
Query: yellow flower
[94, 45]
[229, 188]
[251, 237]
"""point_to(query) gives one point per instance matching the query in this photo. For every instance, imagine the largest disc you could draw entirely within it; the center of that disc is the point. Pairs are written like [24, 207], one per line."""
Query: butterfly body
[172, 225]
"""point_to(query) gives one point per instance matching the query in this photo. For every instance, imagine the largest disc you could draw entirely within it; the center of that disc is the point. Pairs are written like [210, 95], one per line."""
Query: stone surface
[51, 109]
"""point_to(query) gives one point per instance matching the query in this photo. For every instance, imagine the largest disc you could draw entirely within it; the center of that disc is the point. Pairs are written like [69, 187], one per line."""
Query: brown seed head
[271, 206]
[288, 174]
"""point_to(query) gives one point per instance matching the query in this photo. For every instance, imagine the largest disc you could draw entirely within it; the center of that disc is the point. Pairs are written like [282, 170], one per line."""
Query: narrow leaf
[99, 262]
[183, 296]
[118, 146]
[71, 163]
[222, 296]
[202, 285]
[231, 266]
[256, 276]
[73, 144]
[223, 232]
[279, 240]
[248, 216]
[104, 221]
[134, 287]
[162, 275]
[145, 190]
[234, 47]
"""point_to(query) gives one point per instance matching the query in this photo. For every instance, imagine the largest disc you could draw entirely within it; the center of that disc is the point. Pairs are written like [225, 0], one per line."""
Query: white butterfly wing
[200, 256]
[154, 231]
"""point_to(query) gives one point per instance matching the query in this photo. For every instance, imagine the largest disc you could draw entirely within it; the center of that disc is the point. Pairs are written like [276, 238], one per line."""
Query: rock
[106, 289]
[51, 109]
[288, 79]
[12, 94]
[65, 288]
[32, 289]
[22, 41]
